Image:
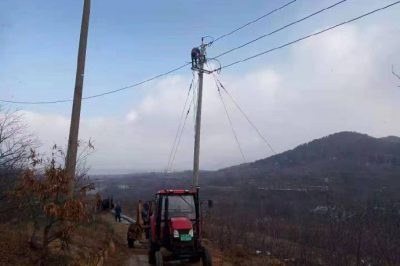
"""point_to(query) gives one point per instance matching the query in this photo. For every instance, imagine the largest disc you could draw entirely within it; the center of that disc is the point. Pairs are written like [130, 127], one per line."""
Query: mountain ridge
[344, 151]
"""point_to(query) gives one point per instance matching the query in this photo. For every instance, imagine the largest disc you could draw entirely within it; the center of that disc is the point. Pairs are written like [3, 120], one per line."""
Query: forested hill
[347, 162]
[344, 154]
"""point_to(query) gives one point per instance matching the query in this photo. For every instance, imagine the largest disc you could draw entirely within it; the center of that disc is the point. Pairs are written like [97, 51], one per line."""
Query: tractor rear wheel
[206, 258]
[131, 243]
[159, 259]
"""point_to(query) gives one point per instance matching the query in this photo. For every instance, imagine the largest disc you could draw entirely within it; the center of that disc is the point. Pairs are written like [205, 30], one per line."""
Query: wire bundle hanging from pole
[181, 126]
[245, 115]
[230, 121]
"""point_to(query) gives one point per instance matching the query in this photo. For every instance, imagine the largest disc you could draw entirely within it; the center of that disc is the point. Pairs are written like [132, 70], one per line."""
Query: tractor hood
[181, 223]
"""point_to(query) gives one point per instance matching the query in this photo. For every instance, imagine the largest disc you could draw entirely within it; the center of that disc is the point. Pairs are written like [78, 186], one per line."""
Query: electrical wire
[194, 100]
[281, 28]
[230, 121]
[100, 94]
[180, 135]
[308, 36]
[245, 116]
[251, 22]
[149, 79]
[180, 123]
[186, 64]
[395, 74]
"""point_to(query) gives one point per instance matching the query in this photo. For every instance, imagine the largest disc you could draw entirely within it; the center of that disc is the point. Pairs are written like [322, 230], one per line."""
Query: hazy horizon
[134, 171]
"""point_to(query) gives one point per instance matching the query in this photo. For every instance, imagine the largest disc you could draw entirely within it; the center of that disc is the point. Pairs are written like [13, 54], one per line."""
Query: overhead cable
[100, 94]
[180, 124]
[281, 28]
[251, 22]
[192, 103]
[307, 36]
[180, 135]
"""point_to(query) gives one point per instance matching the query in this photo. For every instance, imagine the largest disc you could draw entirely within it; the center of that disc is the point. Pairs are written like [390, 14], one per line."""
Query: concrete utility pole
[196, 160]
[70, 164]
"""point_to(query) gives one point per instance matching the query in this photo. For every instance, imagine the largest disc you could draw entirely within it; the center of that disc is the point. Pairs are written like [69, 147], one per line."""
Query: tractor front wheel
[206, 258]
[159, 259]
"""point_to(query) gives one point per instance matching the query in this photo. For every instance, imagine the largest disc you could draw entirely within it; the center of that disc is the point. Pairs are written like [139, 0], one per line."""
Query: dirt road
[137, 260]
[125, 256]
[137, 256]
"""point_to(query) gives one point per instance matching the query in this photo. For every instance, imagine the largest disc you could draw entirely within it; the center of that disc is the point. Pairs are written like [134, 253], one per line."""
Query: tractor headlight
[176, 234]
[191, 232]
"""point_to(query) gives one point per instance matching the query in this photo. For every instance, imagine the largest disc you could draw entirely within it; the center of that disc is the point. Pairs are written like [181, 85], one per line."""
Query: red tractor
[175, 228]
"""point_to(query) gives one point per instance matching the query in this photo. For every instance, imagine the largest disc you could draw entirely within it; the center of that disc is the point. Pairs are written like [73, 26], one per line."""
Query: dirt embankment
[102, 243]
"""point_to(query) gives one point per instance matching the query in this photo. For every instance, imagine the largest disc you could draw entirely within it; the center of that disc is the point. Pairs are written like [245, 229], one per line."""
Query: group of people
[144, 212]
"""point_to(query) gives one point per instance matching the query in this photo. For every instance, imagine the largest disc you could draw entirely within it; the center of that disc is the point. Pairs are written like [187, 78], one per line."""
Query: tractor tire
[159, 258]
[195, 260]
[152, 252]
[131, 243]
[206, 258]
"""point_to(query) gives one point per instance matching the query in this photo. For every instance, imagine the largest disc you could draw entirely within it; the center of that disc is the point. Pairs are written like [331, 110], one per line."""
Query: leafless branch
[15, 140]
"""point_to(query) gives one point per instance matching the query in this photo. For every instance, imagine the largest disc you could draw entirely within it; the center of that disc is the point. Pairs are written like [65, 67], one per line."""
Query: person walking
[118, 211]
[146, 218]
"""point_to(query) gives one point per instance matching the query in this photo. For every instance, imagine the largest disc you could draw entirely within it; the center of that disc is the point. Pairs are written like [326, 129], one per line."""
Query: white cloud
[338, 81]
[131, 116]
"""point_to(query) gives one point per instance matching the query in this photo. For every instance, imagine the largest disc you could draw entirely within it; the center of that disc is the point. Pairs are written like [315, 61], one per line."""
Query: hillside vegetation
[332, 201]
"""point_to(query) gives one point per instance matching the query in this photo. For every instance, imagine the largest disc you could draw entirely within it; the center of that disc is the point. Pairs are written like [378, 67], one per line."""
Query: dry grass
[87, 245]
[14, 246]
[238, 255]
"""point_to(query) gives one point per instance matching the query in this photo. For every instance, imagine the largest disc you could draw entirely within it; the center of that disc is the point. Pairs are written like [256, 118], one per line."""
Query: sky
[338, 81]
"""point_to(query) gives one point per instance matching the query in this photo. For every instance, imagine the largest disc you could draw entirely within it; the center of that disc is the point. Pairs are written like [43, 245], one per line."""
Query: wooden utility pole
[70, 164]
[196, 157]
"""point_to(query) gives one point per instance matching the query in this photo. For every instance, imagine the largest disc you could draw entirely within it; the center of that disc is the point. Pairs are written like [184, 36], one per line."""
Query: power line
[226, 66]
[253, 21]
[100, 94]
[230, 121]
[180, 124]
[281, 28]
[180, 135]
[308, 36]
[192, 103]
[246, 116]
[395, 74]
[194, 100]
[149, 79]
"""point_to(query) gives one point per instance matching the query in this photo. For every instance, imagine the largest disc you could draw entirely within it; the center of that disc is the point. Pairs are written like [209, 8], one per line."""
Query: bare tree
[85, 149]
[15, 140]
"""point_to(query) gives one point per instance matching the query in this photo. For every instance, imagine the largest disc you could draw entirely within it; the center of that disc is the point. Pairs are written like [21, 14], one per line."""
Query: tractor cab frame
[175, 228]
